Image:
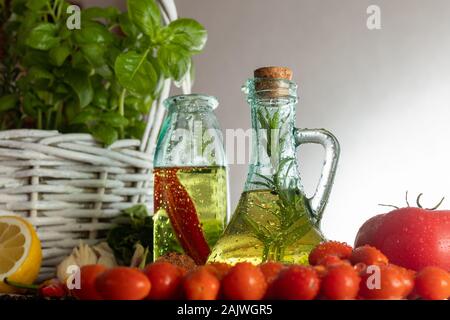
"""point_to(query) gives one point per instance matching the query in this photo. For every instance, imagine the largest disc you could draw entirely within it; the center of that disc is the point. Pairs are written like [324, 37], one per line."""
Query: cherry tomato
[433, 283]
[360, 268]
[52, 288]
[339, 249]
[87, 290]
[368, 255]
[340, 283]
[332, 260]
[297, 283]
[383, 282]
[320, 270]
[219, 269]
[123, 283]
[271, 270]
[201, 284]
[408, 280]
[165, 279]
[244, 282]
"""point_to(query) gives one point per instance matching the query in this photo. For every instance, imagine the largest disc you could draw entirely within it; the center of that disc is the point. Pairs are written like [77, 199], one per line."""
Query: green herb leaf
[79, 62]
[8, 102]
[188, 34]
[37, 72]
[145, 14]
[86, 116]
[127, 26]
[18, 6]
[104, 133]
[175, 61]
[101, 98]
[137, 130]
[31, 104]
[43, 36]
[59, 54]
[36, 4]
[139, 230]
[110, 13]
[135, 73]
[79, 81]
[114, 120]
[93, 32]
[94, 53]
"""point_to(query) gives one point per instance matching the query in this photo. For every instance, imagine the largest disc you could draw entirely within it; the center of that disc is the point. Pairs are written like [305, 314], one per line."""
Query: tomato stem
[388, 205]
[434, 208]
[419, 205]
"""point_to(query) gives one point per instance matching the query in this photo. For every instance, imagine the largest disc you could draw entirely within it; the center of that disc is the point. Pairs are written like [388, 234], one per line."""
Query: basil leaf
[59, 54]
[101, 98]
[145, 14]
[137, 130]
[114, 120]
[36, 4]
[188, 34]
[18, 6]
[127, 26]
[79, 81]
[30, 104]
[105, 72]
[135, 73]
[35, 57]
[175, 61]
[86, 116]
[138, 104]
[8, 102]
[36, 73]
[43, 36]
[79, 62]
[94, 54]
[93, 32]
[104, 133]
[110, 13]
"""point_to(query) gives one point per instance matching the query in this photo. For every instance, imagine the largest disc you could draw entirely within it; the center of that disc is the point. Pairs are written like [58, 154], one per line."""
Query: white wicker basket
[69, 186]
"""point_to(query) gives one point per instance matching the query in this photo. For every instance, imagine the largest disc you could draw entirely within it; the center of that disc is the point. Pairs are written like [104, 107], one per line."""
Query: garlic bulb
[85, 255]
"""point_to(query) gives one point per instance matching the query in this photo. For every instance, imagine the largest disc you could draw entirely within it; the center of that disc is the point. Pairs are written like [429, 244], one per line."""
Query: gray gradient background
[385, 94]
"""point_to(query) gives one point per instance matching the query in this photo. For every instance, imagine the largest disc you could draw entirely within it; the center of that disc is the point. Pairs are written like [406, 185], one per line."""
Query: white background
[385, 94]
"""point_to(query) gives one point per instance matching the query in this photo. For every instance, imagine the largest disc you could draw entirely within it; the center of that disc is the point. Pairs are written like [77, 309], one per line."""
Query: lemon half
[20, 252]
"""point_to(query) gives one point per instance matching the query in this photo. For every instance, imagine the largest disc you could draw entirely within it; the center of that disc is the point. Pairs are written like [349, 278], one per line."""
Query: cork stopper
[273, 73]
[269, 82]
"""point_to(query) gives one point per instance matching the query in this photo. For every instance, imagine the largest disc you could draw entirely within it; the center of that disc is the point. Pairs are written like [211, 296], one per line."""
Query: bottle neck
[273, 145]
[190, 134]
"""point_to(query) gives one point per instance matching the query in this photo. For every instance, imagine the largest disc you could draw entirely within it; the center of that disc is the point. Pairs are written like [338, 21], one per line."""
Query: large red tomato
[410, 237]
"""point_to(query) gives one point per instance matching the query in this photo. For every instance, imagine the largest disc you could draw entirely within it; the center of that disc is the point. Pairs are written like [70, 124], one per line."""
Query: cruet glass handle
[320, 136]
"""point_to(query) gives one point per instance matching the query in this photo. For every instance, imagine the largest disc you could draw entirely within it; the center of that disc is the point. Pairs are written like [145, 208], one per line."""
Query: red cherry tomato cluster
[336, 272]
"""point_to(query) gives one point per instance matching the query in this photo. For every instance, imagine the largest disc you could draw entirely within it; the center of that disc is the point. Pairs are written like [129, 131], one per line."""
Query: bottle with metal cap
[274, 220]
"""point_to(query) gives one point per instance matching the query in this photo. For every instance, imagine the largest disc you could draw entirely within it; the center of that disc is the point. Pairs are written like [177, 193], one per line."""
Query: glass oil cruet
[190, 179]
[274, 220]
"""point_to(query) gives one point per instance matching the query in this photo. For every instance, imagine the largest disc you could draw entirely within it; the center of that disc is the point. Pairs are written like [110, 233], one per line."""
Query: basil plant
[100, 78]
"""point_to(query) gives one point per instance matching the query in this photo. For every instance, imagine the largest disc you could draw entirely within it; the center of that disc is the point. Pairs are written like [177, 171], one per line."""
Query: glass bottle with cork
[274, 220]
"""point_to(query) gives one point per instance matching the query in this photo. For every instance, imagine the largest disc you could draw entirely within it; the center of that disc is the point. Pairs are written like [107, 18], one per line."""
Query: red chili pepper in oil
[173, 197]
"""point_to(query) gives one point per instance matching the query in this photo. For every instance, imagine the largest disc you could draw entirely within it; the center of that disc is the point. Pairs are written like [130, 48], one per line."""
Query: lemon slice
[20, 252]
